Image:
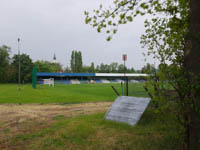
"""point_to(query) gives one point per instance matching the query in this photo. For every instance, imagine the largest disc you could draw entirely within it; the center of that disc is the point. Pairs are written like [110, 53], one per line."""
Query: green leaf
[122, 16]
[108, 38]
[86, 13]
[87, 20]
[109, 22]
[95, 24]
[114, 31]
[99, 29]
[129, 18]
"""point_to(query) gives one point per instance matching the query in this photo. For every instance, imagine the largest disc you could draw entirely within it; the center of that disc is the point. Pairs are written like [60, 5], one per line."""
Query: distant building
[54, 59]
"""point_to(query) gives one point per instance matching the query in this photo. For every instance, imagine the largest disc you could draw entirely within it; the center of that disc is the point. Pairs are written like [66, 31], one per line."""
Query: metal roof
[54, 74]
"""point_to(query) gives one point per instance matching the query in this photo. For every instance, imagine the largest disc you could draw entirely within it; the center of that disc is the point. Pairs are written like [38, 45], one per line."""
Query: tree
[79, 61]
[192, 63]
[172, 36]
[148, 68]
[104, 68]
[43, 66]
[26, 67]
[132, 70]
[85, 69]
[121, 68]
[72, 61]
[113, 67]
[46, 66]
[76, 61]
[92, 68]
[56, 67]
[67, 69]
[97, 70]
[4, 63]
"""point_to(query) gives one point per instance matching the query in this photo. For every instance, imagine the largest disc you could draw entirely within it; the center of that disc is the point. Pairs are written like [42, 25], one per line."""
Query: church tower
[54, 59]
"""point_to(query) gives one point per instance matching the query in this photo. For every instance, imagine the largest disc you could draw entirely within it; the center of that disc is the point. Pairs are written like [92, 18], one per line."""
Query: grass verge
[89, 132]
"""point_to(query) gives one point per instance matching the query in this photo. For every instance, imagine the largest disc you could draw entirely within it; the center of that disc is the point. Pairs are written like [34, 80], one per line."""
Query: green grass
[137, 89]
[93, 132]
[88, 132]
[62, 93]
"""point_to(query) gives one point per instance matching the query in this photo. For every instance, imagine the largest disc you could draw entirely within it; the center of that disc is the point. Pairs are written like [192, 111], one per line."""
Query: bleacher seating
[85, 81]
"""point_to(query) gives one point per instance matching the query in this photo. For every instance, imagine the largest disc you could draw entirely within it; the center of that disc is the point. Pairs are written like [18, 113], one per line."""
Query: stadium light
[19, 71]
[124, 57]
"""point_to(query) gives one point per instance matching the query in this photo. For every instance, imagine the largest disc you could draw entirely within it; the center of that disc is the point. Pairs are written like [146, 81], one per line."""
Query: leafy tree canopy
[26, 67]
[46, 66]
[4, 62]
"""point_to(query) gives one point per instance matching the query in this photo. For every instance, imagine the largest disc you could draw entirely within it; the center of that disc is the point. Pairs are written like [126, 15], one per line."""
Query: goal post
[34, 77]
[49, 81]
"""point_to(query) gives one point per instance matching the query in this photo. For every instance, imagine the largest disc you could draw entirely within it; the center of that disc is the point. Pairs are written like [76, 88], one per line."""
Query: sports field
[71, 117]
[72, 93]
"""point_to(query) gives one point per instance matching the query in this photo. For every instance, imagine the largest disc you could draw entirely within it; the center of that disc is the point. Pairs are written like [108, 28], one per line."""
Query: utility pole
[125, 79]
[19, 71]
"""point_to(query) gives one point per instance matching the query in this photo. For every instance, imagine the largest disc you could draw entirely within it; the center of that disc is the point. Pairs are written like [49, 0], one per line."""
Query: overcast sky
[46, 27]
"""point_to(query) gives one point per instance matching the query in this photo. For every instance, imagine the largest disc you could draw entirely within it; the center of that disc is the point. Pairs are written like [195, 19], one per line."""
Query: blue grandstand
[85, 78]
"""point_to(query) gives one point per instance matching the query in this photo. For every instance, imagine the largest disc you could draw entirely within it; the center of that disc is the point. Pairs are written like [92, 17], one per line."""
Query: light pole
[19, 71]
[125, 79]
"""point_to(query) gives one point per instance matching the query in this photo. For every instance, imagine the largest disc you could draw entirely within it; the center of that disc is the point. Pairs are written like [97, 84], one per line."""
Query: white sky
[46, 27]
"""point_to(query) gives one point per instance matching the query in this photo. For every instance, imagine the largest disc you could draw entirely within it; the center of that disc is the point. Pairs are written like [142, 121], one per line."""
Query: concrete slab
[127, 109]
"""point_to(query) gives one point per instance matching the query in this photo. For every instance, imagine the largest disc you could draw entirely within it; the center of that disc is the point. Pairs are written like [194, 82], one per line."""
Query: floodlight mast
[125, 79]
[19, 67]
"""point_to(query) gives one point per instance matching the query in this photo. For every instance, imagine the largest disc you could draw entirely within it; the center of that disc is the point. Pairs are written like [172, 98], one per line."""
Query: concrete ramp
[127, 109]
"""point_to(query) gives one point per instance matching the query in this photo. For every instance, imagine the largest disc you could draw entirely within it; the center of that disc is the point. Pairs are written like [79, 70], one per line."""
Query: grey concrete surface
[127, 109]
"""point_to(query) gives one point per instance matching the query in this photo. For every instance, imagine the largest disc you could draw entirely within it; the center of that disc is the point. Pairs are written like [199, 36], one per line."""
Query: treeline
[9, 66]
[108, 68]
[77, 66]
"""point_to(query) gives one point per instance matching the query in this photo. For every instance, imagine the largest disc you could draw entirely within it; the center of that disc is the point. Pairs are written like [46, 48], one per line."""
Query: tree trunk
[192, 62]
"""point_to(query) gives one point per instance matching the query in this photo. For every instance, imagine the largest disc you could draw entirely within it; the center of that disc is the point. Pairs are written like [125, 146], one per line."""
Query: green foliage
[114, 67]
[92, 68]
[88, 69]
[5, 68]
[26, 67]
[9, 68]
[67, 69]
[148, 69]
[46, 66]
[76, 61]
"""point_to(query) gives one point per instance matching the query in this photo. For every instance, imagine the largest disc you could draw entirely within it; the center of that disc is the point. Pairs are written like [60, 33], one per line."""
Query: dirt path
[16, 119]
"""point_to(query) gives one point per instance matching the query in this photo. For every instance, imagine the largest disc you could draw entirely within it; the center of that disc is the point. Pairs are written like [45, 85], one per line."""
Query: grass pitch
[80, 131]
[73, 93]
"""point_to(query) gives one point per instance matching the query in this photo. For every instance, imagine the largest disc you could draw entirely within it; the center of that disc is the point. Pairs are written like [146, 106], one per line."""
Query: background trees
[148, 68]
[4, 63]
[26, 67]
[9, 66]
[46, 66]
[76, 61]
